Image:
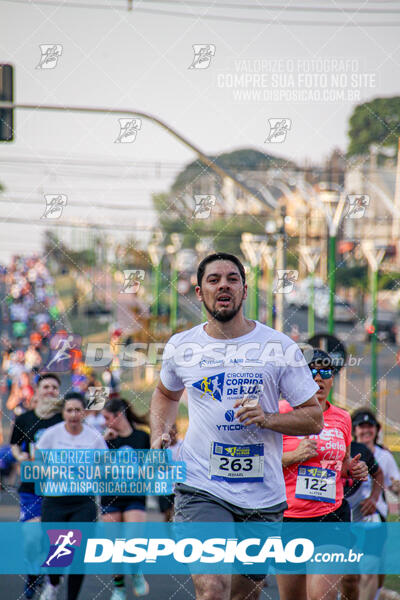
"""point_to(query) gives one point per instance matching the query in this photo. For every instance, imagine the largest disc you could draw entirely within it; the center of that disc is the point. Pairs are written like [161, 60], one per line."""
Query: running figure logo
[62, 547]
[62, 344]
[278, 129]
[54, 206]
[132, 280]
[128, 129]
[98, 396]
[357, 205]
[285, 281]
[203, 54]
[214, 386]
[203, 204]
[50, 55]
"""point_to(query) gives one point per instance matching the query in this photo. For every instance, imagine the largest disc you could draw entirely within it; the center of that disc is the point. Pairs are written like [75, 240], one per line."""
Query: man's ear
[199, 295]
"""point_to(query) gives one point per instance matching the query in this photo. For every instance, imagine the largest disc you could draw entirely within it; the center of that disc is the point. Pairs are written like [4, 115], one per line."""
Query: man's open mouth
[223, 299]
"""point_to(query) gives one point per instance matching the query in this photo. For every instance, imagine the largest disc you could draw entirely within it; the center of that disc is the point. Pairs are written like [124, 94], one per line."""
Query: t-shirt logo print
[61, 552]
[213, 386]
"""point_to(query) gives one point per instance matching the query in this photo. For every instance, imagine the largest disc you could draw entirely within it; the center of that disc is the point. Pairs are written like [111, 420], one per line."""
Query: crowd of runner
[309, 481]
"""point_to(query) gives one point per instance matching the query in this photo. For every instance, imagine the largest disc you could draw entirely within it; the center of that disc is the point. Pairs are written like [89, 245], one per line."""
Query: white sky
[119, 59]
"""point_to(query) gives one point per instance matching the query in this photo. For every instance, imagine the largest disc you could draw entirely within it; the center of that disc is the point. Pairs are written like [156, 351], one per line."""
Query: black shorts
[340, 515]
[122, 505]
[166, 502]
[70, 509]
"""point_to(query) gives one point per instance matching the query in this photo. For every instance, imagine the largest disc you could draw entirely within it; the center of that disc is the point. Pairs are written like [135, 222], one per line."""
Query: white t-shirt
[176, 450]
[240, 464]
[387, 463]
[58, 438]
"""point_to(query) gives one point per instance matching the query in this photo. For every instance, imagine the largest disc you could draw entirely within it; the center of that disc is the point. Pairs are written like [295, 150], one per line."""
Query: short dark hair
[43, 376]
[219, 256]
[74, 396]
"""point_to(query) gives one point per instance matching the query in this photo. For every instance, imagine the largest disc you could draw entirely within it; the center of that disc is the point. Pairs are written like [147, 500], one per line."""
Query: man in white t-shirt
[234, 371]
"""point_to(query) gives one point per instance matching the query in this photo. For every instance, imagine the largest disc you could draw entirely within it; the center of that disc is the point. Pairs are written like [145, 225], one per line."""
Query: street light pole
[281, 265]
[374, 256]
[269, 260]
[374, 366]
[173, 250]
[210, 162]
[203, 248]
[311, 257]
[333, 217]
[331, 281]
[155, 254]
[253, 247]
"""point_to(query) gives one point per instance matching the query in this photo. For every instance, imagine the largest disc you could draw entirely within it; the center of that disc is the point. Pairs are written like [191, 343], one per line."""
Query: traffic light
[6, 95]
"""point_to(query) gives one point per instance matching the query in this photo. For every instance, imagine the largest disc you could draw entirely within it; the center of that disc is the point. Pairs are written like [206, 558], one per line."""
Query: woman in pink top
[313, 467]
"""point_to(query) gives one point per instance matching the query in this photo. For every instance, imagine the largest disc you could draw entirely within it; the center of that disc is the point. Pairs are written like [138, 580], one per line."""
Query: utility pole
[396, 219]
[281, 253]
[374, 255]
[311, 257]
[211, 163]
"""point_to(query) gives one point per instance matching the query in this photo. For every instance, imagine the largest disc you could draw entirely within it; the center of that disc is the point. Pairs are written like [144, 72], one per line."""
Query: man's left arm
[305, 419]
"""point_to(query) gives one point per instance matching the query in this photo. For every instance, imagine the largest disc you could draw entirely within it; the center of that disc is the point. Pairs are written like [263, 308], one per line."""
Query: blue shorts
[30, 506]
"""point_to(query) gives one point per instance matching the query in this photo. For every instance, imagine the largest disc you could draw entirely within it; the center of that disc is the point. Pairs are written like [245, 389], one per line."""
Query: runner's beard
[227, 315]
[48, 406]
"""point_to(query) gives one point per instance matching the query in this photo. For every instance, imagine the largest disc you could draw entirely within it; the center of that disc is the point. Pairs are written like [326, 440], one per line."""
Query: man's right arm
[18, 454]
[163, 413]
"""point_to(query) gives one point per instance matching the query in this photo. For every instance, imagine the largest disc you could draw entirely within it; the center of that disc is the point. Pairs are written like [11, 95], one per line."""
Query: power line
[50, 224]
[115, 227]
[77, 204]
[272, 21]
[291, 8]
[225, 18]
[90, 162]
[119, 207]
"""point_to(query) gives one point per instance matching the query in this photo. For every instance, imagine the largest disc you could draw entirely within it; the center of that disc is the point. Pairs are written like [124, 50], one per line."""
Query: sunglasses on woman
[324, 373]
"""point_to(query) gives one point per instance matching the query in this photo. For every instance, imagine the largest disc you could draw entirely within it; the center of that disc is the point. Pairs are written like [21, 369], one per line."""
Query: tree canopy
[375, 123]
[245, 159]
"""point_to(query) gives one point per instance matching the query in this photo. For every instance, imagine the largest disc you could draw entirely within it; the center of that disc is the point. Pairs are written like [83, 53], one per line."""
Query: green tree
[245, 159]
[375, 123]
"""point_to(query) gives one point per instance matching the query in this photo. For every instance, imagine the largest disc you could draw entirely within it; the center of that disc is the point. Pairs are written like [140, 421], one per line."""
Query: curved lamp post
[253, 247]
[311, 257]
[374, 255]
[173, 249]
[156, 252]
[203, 248]
[333, 212]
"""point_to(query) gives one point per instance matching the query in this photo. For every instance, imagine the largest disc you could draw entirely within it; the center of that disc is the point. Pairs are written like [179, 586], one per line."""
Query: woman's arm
[305, 450]
[368, 506]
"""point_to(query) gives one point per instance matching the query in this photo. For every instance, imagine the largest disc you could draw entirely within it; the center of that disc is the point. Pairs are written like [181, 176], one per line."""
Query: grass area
[65, 286]
[82, 325]
[89, 326]
[397, 457]
[392, 582]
